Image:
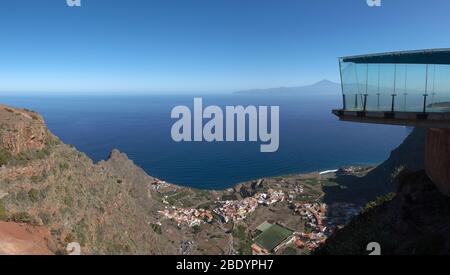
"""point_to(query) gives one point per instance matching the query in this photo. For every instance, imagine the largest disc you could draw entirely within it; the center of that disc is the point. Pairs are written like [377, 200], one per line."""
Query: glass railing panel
[414, 88]
[439, 89]
[397, 87]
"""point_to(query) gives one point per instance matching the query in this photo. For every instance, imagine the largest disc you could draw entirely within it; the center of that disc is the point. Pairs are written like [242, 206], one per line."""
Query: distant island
[323, 87]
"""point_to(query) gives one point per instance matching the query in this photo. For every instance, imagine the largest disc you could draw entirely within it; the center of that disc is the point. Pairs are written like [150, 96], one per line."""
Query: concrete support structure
[437, 158]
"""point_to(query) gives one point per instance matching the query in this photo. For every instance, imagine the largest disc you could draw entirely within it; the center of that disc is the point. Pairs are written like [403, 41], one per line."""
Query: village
[320, 219]
[236, 210]
[187, 216]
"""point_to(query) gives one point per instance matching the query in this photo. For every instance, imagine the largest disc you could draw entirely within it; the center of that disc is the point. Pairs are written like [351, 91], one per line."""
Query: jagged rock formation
[133, 178]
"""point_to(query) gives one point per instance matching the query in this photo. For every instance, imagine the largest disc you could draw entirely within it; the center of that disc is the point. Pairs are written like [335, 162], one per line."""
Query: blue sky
[201, 45]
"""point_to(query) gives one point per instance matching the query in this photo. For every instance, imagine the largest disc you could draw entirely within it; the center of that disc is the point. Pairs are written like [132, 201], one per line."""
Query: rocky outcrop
[22, 130]
[132, 177]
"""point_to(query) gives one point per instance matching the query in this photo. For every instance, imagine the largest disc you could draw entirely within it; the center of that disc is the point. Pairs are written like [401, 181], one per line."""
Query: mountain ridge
[323, 87]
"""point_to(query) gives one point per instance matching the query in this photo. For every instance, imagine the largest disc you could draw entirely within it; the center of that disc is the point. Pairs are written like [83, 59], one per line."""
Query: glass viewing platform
[397, 88]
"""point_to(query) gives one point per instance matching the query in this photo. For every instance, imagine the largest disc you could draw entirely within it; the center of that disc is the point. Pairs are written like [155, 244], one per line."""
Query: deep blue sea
[311, 138]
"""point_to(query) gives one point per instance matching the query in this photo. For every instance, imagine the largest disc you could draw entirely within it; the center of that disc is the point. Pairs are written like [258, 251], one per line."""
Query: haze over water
[311, 138]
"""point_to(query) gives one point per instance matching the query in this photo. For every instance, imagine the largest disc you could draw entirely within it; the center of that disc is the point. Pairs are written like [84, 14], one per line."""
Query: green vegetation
[196, 229]
[290, 251]
[202, 193]
[3, 213]
[63, 166]
[157, 228]
[398, 171]
[330, 183]
[206, 205]
[118, 249]
[228, 197]
[68, 201]
[22, 196]
[272, 237]
[37, 179]
[22, 217]
[34, 195]
[80, 232]
[307, 230]
[245, 240]
[45, 218]
[187, 202]
[312, 182]
[26, 156]
[378, 202]
[174, 199]
[4, 157]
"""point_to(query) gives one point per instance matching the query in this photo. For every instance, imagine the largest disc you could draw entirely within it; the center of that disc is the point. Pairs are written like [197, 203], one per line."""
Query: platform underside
[417, 119]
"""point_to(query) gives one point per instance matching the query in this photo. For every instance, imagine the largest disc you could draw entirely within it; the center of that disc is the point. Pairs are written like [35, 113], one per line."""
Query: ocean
[311, 138]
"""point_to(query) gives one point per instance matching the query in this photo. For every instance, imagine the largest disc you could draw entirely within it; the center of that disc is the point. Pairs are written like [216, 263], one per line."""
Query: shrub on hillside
[378, 202]
[45, 218]
[34, 195]
[4, 157]
[3, 214]
[22, 217]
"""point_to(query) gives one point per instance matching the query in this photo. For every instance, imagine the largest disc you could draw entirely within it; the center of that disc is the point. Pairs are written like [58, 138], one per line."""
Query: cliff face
[380, 180]
[21, 130]
[409, 155]
[44, 182]
[414, 221]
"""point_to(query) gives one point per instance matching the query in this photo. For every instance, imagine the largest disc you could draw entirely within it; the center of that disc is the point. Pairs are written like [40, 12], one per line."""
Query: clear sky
[202, 45]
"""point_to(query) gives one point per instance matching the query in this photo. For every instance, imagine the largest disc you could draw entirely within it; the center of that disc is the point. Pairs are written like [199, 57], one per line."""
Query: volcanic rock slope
[106, 207]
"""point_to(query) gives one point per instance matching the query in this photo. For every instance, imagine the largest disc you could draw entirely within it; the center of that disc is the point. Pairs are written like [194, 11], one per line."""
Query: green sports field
[272, 237]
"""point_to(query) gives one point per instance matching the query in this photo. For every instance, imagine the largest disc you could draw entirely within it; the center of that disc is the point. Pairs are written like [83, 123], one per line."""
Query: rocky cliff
[46, 183]
[380, 180]
[21, 130]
